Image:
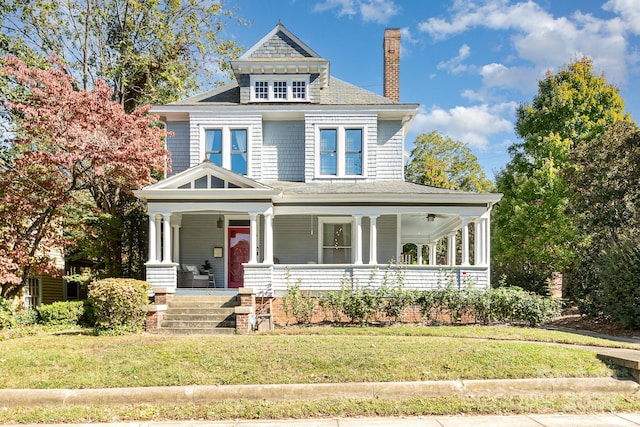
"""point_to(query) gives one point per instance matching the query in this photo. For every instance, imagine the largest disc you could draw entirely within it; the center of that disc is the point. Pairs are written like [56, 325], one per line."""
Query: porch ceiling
[417, 228]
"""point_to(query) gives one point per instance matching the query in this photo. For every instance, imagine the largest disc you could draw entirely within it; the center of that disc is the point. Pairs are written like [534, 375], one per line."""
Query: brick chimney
[391, 46]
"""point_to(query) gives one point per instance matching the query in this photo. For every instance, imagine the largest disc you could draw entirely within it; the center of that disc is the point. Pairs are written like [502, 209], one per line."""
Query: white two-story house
[291, 171]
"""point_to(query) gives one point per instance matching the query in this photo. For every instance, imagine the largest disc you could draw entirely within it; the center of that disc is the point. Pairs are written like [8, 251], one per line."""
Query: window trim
[336, 220]
[341, 150]
[271, 79]
[226, 145]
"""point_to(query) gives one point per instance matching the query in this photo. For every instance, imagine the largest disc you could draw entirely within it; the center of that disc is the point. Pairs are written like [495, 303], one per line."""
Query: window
[341, 151]
[336, 241]
[353, 151]
[261, 90]
[328, 151]
[227, 148]
[281, 88]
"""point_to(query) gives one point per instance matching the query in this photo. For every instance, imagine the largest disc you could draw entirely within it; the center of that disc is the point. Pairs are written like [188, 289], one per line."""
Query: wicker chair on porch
[190, 277]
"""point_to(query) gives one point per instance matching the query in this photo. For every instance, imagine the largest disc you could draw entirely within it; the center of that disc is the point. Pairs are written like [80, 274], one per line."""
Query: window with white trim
[227, 148]
[279, 88]
[340, 151]
[336, 240]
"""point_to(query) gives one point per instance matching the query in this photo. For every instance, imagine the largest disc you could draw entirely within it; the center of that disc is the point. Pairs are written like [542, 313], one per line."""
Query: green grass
[322, 408]
[81, 361]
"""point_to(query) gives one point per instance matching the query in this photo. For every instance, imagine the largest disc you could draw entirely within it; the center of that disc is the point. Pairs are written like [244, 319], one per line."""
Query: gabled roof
[281, 52]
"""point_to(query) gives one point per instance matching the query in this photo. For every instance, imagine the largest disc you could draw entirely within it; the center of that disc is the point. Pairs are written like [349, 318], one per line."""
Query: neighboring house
[291, 172]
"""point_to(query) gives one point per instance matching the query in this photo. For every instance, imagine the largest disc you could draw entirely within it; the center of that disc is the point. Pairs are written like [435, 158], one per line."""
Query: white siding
[178, 145]
[295, 239]
[283, 151]
[389, 159]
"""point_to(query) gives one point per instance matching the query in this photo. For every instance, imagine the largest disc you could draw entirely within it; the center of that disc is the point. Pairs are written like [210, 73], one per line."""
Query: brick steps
[200, 315]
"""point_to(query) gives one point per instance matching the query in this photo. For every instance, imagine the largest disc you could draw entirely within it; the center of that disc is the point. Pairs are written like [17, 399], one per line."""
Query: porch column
[465, 242]
[477, 242]
[358, 259]
[432, 253]
[158, 237]
[268, 238]
[153, 257]
[451, 248]
[373, 239]
[419, 247]
[166, 238]
[176, 242]
[253, 233]
[487, 239]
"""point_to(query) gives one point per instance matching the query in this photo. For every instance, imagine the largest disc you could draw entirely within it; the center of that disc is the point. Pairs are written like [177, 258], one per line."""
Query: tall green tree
[533, 235]
[442, 162]
[604, 200]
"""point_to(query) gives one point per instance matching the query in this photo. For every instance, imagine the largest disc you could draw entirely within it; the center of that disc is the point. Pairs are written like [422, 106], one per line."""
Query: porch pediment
[205, 179]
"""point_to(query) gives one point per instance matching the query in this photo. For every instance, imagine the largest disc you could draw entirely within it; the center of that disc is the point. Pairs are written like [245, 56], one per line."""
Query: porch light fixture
[431, 217]
[220, 222]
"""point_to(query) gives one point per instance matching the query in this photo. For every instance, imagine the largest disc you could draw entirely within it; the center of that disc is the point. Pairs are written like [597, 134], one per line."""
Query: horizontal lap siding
[283, 151]
[387, 243]
[198, 236]
[390, 150]
[52, 289]
[178, 145]
[295, 239]
[160, 276]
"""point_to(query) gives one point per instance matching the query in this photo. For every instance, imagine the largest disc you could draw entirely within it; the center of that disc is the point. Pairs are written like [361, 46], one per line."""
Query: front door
[239, 247]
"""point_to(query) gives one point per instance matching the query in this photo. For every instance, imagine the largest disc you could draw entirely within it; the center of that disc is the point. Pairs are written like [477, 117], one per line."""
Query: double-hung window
[341, 151]
[279, 88]
[227, 148]
[336, 244]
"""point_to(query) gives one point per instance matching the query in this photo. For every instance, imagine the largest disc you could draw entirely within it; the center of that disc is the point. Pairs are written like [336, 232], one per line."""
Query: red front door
[238, 254]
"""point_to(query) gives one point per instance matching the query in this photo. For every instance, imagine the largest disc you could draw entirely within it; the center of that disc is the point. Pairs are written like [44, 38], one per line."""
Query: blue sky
[468, 64]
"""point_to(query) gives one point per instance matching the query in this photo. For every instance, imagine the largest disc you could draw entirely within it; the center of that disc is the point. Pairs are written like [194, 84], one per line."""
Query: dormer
[280, 68]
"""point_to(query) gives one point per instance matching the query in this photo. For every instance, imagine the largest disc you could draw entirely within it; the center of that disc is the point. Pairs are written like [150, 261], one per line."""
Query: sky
[468, 63]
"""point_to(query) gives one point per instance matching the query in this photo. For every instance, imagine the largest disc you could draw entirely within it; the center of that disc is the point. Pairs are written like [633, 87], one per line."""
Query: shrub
[619, 277]
[394, 302]
[301, 306]
[61, 313]
[6, 314]
[119, 304]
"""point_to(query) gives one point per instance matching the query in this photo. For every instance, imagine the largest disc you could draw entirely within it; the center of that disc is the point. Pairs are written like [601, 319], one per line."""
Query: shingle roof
[338, 92]
[386, 187]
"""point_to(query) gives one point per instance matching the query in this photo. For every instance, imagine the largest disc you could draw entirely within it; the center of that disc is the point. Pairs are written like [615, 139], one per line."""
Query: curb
[283, 392]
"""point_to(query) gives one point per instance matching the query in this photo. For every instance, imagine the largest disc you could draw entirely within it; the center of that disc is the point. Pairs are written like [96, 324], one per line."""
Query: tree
[68, 142]
[147, 51]
[604, 199]
[533, 235]
[442, 162]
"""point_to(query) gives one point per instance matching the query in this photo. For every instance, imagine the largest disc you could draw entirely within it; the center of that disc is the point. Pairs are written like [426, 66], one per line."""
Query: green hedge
[61, 313]
[118, 305]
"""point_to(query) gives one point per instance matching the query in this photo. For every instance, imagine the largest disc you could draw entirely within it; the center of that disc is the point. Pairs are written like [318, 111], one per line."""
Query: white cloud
[454, 64]
[628, 11]
[472, 125]
[379, 11]
[501, 76]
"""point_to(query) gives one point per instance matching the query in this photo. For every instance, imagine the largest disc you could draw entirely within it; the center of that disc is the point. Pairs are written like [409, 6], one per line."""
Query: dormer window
[279, 88]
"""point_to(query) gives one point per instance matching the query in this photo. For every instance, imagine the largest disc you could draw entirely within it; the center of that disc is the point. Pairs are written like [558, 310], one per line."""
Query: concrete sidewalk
[531, 420]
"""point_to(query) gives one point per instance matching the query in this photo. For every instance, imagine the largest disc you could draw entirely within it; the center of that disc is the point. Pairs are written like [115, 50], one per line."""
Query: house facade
[289, 174]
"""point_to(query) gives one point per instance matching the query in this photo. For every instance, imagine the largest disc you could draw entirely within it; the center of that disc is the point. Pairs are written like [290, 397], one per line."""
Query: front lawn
[301, 356]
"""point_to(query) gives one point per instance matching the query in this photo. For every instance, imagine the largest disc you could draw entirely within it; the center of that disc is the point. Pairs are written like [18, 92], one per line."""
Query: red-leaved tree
[67, 143]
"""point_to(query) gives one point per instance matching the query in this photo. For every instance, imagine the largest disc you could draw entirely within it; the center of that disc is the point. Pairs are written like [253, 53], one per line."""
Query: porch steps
[200, 315]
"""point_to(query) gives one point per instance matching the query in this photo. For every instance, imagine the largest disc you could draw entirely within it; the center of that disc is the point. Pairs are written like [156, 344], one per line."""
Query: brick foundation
[161, 298]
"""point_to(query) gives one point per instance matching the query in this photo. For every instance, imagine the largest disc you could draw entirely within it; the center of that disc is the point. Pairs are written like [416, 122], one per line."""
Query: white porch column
[153, 254]
[477, 242]
[268, 238]
[419, 247]
[176, 242]
[432, 253]
[465, 242]
[253, 233]
[451, 248]
[358, 258]
[166, 238]
[483, 241]
[373, 239]
[158, 238]
[487, 239]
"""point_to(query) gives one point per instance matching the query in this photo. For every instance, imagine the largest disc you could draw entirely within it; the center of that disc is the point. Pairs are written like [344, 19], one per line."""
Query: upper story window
[341, 151]
[279, 88]
[227, 148]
